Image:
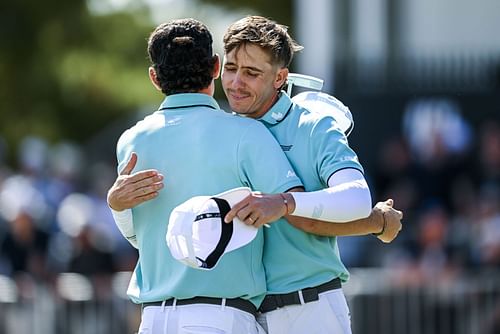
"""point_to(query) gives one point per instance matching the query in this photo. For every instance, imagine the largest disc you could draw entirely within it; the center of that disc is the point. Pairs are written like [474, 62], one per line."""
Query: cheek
[223, 77]
[225, 82]
[265, 94]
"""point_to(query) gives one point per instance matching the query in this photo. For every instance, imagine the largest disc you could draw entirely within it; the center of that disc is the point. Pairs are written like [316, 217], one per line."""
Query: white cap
[325, 103]
[197, 234]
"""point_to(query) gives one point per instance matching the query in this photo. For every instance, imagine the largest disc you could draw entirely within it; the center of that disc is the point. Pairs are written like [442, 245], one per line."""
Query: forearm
[346, 199]
[364, 226]
[124, 222]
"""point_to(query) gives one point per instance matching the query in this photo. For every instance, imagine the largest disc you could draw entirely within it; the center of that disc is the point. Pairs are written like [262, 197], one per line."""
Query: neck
[208, 90]
[269, 104]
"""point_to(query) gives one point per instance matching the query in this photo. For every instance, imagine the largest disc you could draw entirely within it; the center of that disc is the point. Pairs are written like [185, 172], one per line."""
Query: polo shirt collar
[279, 110]
[187, 100]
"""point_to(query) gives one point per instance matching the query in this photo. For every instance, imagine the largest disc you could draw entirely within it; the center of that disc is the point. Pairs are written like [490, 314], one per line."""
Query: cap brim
[234, 196]
[242, 233]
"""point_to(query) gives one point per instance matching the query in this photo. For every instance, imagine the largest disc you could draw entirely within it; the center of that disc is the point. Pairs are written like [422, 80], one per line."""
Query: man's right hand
[391, 220]
[130, 190]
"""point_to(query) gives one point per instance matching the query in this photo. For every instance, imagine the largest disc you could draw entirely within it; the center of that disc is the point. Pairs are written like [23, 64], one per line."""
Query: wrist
[288, 203]
[384, 224]
[115, 208]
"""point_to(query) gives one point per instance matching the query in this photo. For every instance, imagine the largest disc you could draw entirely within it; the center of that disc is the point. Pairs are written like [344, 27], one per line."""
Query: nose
[237, 81]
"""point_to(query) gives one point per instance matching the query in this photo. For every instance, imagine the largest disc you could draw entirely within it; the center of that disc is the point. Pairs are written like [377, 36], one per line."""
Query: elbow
[365, 209]
[358, 205]
[365, 203]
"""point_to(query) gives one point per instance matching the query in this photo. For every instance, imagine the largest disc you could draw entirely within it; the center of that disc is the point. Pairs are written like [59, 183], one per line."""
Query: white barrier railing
[380, 302]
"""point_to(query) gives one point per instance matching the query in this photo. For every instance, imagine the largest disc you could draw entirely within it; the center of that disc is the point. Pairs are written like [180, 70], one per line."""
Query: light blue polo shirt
[316, 148]
[200, 150]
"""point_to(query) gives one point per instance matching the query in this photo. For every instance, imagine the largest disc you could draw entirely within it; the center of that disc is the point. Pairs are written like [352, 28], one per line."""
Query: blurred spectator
[488, 226]
[99, 178]
[439, 141]
[435, 129]
[395, 175]
[447, 181]
[24, 247]
[24, 244]
[91, 257]
[489, 152]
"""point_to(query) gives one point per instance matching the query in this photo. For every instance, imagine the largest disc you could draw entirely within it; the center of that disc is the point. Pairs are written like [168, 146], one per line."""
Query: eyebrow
[256, 69]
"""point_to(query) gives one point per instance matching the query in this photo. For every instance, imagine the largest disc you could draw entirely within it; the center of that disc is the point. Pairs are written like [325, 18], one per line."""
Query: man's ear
[216, 72]
[281, 77]
[154, 78]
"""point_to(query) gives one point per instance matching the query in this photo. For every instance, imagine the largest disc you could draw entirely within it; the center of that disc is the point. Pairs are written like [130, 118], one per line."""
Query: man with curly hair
[195, 149]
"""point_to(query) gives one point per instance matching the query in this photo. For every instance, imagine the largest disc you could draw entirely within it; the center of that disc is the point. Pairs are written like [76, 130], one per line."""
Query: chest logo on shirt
[286, 148]
[277, 116]
[172, 121]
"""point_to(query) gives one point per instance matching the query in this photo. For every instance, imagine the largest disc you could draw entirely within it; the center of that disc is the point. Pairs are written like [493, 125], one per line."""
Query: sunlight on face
[250, 81]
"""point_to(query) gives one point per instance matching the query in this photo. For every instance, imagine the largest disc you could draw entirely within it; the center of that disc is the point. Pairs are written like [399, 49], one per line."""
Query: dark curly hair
[265, 33]
[180, 52]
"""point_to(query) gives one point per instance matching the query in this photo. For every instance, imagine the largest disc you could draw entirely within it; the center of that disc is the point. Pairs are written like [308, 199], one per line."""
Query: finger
[147, 179]
[236, 209]
[143, 191]
[147, 197]
[259, 223]
[143, 175]
[251, 221]
[150, 189]
[396, 213]
[245, 215]
[390, 202]
[387, 239]
[132, 161]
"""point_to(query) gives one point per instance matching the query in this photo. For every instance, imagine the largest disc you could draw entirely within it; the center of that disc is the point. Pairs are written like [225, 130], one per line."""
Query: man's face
[250, 81]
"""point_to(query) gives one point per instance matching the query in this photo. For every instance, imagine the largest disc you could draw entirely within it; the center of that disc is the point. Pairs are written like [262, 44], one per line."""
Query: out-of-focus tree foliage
[65, 73]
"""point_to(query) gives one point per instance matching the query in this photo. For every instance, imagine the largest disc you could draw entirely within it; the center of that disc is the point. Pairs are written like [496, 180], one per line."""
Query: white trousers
[328, 315]
[197, 318]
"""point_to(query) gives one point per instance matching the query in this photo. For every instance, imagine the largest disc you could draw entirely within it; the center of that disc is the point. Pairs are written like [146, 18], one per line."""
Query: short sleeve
[263, 164]
[331, 149]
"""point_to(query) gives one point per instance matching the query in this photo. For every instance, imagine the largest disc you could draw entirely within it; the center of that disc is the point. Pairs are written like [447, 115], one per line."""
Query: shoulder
[142, 127]
[244, 125]
[234, 118]
[314, 121]
[318, 108]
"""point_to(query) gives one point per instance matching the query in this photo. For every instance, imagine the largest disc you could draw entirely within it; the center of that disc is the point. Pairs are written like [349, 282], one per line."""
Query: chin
[239, 112]
[237, 109]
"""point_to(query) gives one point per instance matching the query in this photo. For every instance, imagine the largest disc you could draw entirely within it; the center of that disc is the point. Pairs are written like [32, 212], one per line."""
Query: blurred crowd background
[422, 80]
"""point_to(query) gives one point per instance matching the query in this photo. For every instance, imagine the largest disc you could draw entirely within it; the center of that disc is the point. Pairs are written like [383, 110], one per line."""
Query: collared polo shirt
[200, 150]
[316, 148]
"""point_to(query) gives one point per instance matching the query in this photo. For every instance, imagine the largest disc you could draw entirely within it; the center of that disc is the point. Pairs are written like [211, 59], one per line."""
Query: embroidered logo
[286, 148]
[277, 116]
